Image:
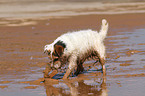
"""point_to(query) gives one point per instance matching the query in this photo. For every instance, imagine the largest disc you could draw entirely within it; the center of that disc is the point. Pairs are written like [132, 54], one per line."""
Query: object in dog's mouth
[56, 65]
[48, 69]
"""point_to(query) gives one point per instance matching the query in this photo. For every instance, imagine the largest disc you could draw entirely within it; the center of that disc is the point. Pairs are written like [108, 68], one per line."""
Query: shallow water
[121, 80]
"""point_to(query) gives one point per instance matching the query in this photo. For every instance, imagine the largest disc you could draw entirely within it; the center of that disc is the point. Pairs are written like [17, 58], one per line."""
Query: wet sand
[22, 60]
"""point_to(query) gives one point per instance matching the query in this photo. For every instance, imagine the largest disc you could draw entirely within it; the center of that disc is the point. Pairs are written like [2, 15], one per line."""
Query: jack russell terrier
[76, 47]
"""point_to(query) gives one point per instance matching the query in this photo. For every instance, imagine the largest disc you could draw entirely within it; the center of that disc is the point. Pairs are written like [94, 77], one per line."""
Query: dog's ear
[58, 50]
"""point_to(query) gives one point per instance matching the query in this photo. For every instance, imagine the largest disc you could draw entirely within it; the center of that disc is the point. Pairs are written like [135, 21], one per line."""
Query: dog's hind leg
[102, 62]
[79, 68]
[101, 56]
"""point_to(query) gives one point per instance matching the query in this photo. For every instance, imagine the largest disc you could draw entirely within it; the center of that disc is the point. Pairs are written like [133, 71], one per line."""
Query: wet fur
[76, 47]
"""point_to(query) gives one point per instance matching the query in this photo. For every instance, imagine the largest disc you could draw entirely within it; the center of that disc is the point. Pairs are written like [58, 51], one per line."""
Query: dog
[76, 47]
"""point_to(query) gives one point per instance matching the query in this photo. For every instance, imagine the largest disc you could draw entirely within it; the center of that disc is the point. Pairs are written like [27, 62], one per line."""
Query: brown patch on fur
[58, 50]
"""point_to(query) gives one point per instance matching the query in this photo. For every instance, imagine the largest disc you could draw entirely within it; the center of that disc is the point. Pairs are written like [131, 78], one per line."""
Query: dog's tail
[104, 29]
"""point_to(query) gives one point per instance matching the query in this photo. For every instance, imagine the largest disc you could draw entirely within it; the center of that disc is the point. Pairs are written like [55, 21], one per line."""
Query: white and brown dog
[76, 47]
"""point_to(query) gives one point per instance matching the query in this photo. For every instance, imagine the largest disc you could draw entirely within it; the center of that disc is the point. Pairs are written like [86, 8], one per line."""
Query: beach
[24, 33]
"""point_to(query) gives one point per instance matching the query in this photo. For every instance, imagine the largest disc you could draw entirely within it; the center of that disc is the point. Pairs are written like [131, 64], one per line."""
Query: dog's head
[55, 52]
[48, 49]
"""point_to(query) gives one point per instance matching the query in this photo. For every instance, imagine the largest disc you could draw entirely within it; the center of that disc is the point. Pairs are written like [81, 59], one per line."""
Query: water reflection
[95, 86]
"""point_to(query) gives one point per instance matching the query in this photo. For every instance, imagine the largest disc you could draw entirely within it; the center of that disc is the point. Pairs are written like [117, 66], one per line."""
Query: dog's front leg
[67, 74]
[71, 67]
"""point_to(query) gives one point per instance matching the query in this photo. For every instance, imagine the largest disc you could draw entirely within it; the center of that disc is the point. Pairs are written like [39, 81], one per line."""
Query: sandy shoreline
[21, 41]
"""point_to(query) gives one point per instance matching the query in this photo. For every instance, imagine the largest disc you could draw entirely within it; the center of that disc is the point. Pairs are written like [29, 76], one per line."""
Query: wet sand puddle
[125, 73]
[126, 65]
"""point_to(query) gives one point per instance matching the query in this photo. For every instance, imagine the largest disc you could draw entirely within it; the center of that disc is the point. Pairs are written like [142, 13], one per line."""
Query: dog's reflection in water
[95, 87]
